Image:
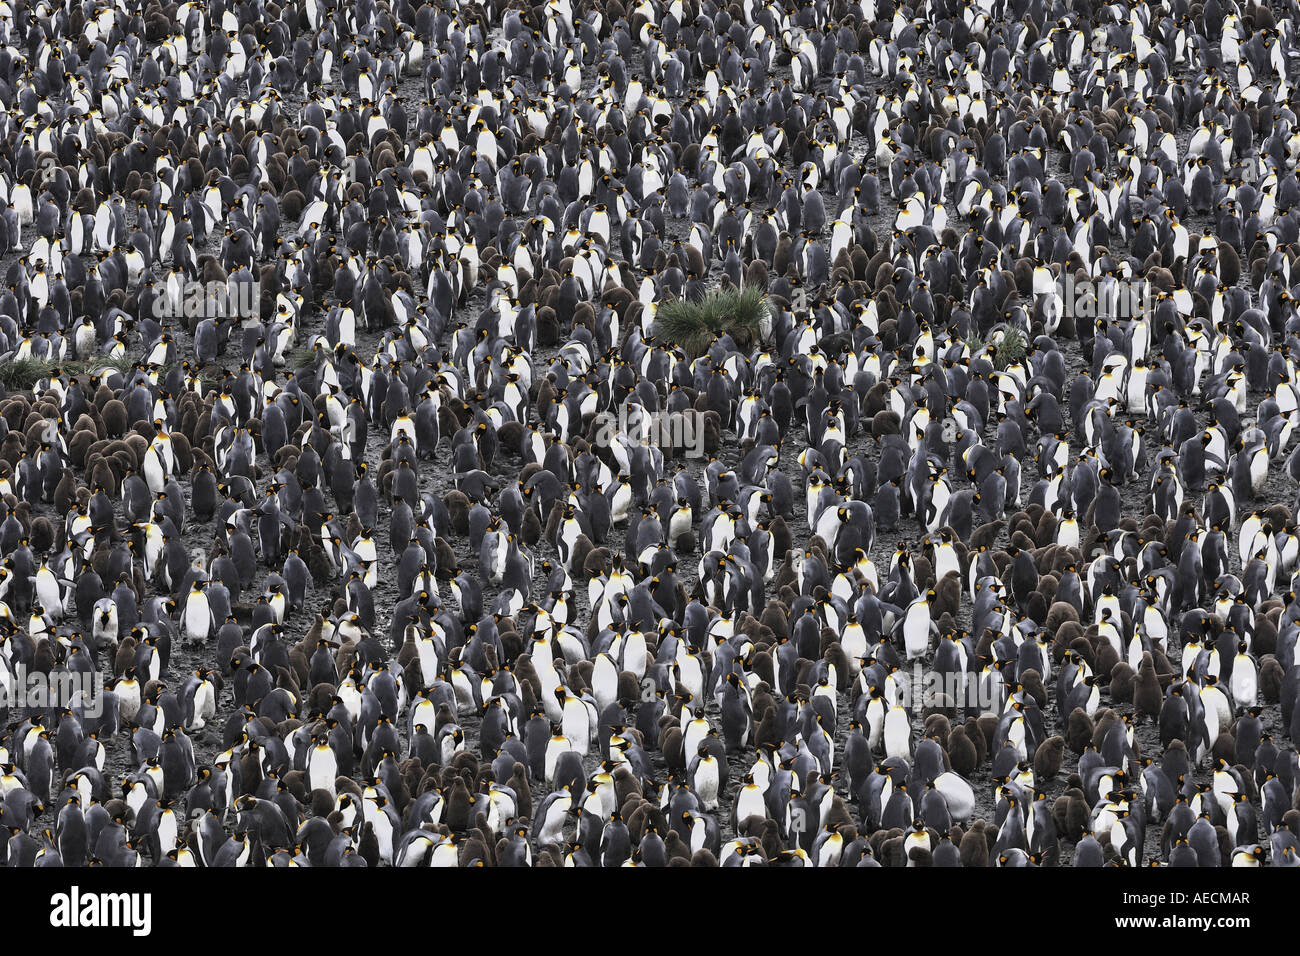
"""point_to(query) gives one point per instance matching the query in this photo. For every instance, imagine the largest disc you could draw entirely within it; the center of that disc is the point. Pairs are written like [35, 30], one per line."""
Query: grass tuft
[1011, 347]
[24, 374]
[693, 326]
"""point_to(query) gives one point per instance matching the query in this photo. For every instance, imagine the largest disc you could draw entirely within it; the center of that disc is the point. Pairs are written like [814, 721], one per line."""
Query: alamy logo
[922, 690]
[679, 432]
[78, 910]
[1105, 298]
[209, 300]
[49, 169]
[21, 688]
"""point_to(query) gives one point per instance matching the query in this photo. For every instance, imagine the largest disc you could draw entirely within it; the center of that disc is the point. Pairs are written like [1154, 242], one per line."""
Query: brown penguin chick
[756, 274]
[679, 854]
[769, 730]
[511, 644]
[974, 848]
[1036, 604]
[785, 575]
[670, 745]
[704, 859]
[100, 474]
[250, 764]
[13, 448]
[922, 569]
[319, 566]
[321, 803]
[947, 596]
[1063, 625]
[582, 547]
[962, 754]
[977, 739]
[877, 842]
[891, 850]
[597, 563]
[1061, 814]
[321, 698]
[548, 326]
[1147, 698]
[938, 727]
[457, 804]
[1048, 758]
[113, 417]
[834, 655]
[1077, 817]
[300, 661]
[79, 446]
[291, 205]
[1264, 640]
[474, 851]
[919, 856]
[1106, 657]
[1078, 731]
[1121, 683]
[776, 618]
[1033, 686]
[1271, 675]
[838, 815]
[629, 689]
[580, 676]
[531, 528]
[983, 537]
[184, 453]
[1291, 820]
[782, 538]
[762, 700]
[710, 434]
[352, 528]
[124, 655]
[1060, 811]
[458, 507]
[65, 492]
[1045, 530]
[876, 399]
[548, 856]
[511, 435]
[518, 782]
[448, 566]
[1082, 647]
[1278, 515]
[584, 315]
[1225, 748]
[43, 657]
[1101, 725]
[1022, 539]
[41, 536]
[637, 813]
[526, 673]
[885, 423]
[769, 838]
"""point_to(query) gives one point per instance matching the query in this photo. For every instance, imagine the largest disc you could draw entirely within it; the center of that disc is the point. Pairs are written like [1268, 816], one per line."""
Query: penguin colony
[362, 586]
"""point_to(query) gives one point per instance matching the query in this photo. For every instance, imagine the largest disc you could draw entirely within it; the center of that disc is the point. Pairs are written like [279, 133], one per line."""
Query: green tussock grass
[1011, 347]
[693, 326]
[1002, 347]
[24, 374]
